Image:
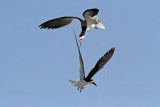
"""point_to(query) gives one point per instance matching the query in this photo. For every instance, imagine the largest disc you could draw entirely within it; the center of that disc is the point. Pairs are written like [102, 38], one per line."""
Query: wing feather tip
[112, 49]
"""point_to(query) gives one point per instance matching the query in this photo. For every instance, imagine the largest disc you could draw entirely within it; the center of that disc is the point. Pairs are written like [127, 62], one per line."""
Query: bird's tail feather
[74, 83]
[100, 25]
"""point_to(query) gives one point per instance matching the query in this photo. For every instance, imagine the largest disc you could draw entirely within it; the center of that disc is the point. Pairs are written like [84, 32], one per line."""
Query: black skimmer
[91, 21]
[99, 65]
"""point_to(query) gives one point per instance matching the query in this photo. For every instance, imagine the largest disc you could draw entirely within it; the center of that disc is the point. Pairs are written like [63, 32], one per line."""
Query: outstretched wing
[100, 63]
[57, 23]
[81, 65]
[90, 13]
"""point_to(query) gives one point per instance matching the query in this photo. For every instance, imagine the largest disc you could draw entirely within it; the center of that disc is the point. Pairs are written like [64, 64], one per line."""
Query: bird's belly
[82, 83]
[89, 27]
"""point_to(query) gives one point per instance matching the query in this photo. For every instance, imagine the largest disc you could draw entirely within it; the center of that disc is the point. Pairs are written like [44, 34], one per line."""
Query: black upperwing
[101, 63]
[58, 22]
[90, 12]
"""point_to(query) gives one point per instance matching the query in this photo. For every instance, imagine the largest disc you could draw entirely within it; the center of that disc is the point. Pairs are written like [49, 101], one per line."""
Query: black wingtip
[45, 27]
[40, 26]
[112, 49]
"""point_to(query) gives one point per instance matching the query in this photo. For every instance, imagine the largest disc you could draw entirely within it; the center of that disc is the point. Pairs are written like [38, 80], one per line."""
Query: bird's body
[80, 84]
[91, 21]
[99, 65]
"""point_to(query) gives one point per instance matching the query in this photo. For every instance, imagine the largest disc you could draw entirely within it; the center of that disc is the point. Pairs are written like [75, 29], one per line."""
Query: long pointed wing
[101, 63]
[90, 13]
[81, 65]
[57, 23]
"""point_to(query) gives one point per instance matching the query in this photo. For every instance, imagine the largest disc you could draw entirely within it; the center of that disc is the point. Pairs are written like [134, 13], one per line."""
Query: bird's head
[92, 82]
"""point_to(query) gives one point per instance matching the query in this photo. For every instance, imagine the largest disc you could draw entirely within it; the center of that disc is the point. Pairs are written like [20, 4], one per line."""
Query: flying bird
[91, 21]
[99, 65]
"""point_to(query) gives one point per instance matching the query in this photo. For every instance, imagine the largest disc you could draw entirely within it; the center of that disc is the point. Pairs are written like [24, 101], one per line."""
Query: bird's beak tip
[94, 84]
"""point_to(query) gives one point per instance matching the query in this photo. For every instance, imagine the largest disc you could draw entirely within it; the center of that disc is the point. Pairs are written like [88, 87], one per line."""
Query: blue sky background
[36, 64]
